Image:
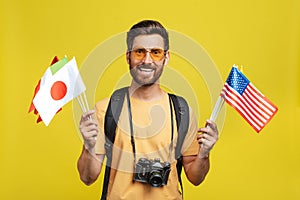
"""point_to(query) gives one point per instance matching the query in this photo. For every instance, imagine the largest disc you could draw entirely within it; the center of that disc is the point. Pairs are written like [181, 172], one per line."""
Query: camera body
[152, 172]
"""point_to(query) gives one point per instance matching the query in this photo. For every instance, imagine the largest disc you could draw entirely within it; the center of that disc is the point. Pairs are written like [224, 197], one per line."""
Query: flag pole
[80, 104]
[82, 101]
[218, 106]
[86, 102]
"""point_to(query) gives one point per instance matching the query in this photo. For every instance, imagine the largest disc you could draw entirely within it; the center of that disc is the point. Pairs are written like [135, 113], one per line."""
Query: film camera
[152, 171]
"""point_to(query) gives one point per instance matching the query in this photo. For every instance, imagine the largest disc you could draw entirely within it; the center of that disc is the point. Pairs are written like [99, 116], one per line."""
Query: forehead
[148, 41]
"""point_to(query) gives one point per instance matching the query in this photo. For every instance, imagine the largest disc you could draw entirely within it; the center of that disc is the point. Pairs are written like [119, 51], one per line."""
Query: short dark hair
[147, 27]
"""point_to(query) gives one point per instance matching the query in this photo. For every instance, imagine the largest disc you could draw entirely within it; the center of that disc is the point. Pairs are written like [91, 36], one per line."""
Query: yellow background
[38, 162]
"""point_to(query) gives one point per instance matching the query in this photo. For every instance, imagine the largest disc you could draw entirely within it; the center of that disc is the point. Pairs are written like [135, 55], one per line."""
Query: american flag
[242, 95]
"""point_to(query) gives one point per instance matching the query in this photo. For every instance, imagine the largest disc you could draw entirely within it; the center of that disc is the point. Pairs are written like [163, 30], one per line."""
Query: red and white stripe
[254, 107]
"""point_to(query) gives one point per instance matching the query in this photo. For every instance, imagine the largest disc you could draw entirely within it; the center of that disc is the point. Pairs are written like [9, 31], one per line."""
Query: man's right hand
[89, 129]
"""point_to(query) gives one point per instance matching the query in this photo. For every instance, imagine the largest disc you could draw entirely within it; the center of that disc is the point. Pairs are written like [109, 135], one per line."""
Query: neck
[146, 93]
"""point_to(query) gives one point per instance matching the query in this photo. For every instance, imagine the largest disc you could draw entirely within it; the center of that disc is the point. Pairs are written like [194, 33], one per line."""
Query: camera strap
[132, 131]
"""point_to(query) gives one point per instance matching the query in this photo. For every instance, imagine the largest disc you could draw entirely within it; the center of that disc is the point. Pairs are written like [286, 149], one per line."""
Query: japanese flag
[60, 84]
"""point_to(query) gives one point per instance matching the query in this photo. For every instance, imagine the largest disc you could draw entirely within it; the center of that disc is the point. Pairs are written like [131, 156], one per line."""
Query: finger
[209, 130]
[203, 130]
[87, 115]
[88, 128]
[202, 135]
[90, 134]
[85, 121]
[204, 142]
[89, 123]
[205, 137]
[211, 124]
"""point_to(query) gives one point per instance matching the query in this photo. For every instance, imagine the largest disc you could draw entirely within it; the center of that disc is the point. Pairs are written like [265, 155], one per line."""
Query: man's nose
[148, 58]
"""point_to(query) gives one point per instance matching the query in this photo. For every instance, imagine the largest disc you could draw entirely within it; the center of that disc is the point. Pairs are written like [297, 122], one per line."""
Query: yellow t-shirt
[152, 135]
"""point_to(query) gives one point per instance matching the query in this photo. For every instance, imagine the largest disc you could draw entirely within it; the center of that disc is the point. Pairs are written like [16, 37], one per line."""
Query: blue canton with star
[237, 80]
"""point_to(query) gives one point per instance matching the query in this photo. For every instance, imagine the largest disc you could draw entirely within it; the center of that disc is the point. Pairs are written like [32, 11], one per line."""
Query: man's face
[146, 70]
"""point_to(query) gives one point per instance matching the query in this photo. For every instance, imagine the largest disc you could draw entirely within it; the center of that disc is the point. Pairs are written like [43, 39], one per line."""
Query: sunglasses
[156, 54]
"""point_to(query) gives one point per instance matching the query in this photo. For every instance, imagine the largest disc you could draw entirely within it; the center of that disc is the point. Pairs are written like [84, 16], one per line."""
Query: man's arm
[89, 163]
[197, 167]
[89, 166]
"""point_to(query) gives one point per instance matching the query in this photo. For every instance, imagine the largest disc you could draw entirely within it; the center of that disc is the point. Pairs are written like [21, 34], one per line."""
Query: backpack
[110, 124]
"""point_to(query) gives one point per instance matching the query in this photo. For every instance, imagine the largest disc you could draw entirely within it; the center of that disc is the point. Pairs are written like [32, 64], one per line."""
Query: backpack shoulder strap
[113, 113]
[110, 124]
[182, 120]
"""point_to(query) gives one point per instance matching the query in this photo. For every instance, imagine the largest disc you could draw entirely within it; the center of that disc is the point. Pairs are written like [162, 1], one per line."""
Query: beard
[146, 74]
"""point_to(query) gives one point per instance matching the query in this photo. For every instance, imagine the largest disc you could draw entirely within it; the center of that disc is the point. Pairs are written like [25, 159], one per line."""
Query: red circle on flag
[58, 90]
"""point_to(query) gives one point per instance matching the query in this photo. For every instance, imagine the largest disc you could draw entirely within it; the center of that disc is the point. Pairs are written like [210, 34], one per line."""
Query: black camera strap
[132, 131]
[131, 126]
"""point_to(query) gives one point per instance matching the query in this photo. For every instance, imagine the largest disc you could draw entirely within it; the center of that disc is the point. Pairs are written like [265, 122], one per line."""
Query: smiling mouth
[145, 69]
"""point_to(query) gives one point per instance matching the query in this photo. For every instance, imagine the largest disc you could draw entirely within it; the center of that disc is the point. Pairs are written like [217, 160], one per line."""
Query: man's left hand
[207, 139]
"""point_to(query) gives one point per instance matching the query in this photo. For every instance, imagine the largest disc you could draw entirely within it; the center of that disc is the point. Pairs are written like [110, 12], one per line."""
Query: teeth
[146, 69]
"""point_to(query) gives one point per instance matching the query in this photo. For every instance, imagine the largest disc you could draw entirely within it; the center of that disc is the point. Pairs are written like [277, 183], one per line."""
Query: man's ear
[128, 57]
[167, 58]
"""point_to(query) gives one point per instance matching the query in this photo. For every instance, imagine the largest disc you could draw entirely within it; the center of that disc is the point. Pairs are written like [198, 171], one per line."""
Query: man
[152, 124]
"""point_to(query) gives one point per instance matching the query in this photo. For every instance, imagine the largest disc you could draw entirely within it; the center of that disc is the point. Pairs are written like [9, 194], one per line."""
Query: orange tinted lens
[157, 54]
[139, 53]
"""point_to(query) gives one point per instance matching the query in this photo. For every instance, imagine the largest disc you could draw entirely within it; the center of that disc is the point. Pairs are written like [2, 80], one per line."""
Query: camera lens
[155, 179]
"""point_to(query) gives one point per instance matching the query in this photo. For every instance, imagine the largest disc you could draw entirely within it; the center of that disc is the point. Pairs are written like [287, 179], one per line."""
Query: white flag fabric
[58, 88]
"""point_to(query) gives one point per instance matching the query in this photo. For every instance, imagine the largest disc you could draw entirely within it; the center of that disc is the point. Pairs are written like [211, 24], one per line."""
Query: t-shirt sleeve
[100, 109]
[190, 145]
